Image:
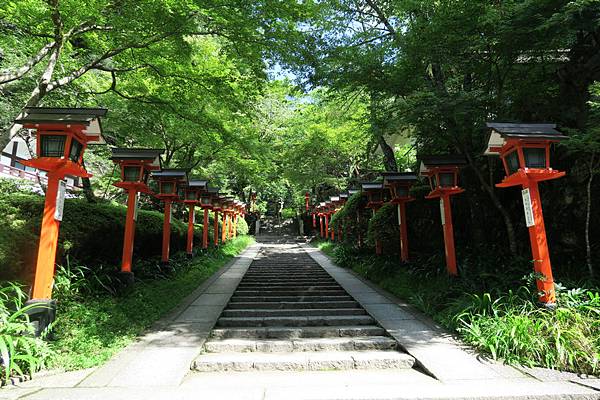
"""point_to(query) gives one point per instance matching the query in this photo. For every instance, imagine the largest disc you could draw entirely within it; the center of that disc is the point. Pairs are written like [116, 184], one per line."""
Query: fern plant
[20, 352]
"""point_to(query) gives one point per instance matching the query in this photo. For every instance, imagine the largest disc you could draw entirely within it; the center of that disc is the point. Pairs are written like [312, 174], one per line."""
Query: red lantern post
[206, 205]
[168, 180]
[62, 135]
[342, 202]
[525, 153]
[191, 197]
[442, 172]
[216, 207]
[136, 165]
[375, 193]
[352, 192]
[399, 184]
[307, 201]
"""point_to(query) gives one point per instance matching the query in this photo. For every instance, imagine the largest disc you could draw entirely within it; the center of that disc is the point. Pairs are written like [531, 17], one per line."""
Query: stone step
[283, 282]
[291, 292]
[296, 332]
[279, 298]
[291, 305]
[286, 346]
[306, 361]
[243, 287]
[288, 275]
[251, 312]
[349, 320]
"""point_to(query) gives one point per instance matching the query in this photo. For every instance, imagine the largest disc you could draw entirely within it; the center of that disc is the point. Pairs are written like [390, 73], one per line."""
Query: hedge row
[90, 234]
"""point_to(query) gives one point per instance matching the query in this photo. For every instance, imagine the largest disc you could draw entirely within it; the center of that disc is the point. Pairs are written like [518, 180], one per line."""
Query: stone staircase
[288, 314]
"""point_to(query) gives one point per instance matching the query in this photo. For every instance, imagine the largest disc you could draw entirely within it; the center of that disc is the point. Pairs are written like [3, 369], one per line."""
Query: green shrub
[15, 236]
[348, 217]
[383, 226]
[90, 234]
[491, 309]
[242, 227]
[20, 352]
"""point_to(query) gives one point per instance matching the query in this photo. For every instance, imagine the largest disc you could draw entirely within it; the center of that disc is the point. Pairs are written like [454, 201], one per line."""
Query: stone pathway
[283, 322]
[288, 314]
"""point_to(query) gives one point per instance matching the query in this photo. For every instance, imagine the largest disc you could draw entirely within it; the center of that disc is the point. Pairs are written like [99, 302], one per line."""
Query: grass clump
[492, 309]
[93, 326]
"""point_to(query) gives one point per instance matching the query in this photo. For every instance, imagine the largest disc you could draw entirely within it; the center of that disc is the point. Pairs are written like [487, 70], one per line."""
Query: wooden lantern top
[433, 166]
[178, 176]
[80, 125]
[149, 158]
[82, 120]
[171, 174]
[195, 186]
[397, 180]
[198, 184]
[515, 143]
[502, 134]
[372, 188]
[352, 192]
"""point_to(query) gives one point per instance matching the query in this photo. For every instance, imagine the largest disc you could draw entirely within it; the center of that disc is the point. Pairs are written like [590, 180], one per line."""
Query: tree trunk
[88, 192]
[588, 246]
[508, 224]
[389, 159]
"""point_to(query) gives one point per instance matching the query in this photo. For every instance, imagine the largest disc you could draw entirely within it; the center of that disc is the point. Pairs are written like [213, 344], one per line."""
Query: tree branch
[9, 76]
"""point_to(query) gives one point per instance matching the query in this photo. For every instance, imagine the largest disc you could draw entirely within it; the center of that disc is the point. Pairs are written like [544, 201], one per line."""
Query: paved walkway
[158, 365]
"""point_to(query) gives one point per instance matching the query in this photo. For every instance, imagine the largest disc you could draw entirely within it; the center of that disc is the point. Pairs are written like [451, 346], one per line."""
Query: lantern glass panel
[131, 174]
[53, 145]
[402, 191]
[376, 196]
[512, 162]
[146, 176]
[167, 187]
[216, 203]
[205, 200]
[446, 179]
[535, 157]
[433, 182]
[190, 195]
[76, 150]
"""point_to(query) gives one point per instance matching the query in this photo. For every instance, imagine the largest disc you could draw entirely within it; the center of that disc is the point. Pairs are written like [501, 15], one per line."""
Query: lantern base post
[166, 233]
[190, 231]
[216, 228]
[41, 313]
[448, 235]
[539, 247]
[124, 281]
[403, 231]
[126, 260]
[44, 270]
[205, 229]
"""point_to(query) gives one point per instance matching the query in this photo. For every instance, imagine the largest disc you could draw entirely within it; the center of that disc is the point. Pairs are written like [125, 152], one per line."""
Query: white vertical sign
[60, 200]
[399, 216]
[171, 213]
[136, 206]
[442, 212]
[529, 221]
[193, 216]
